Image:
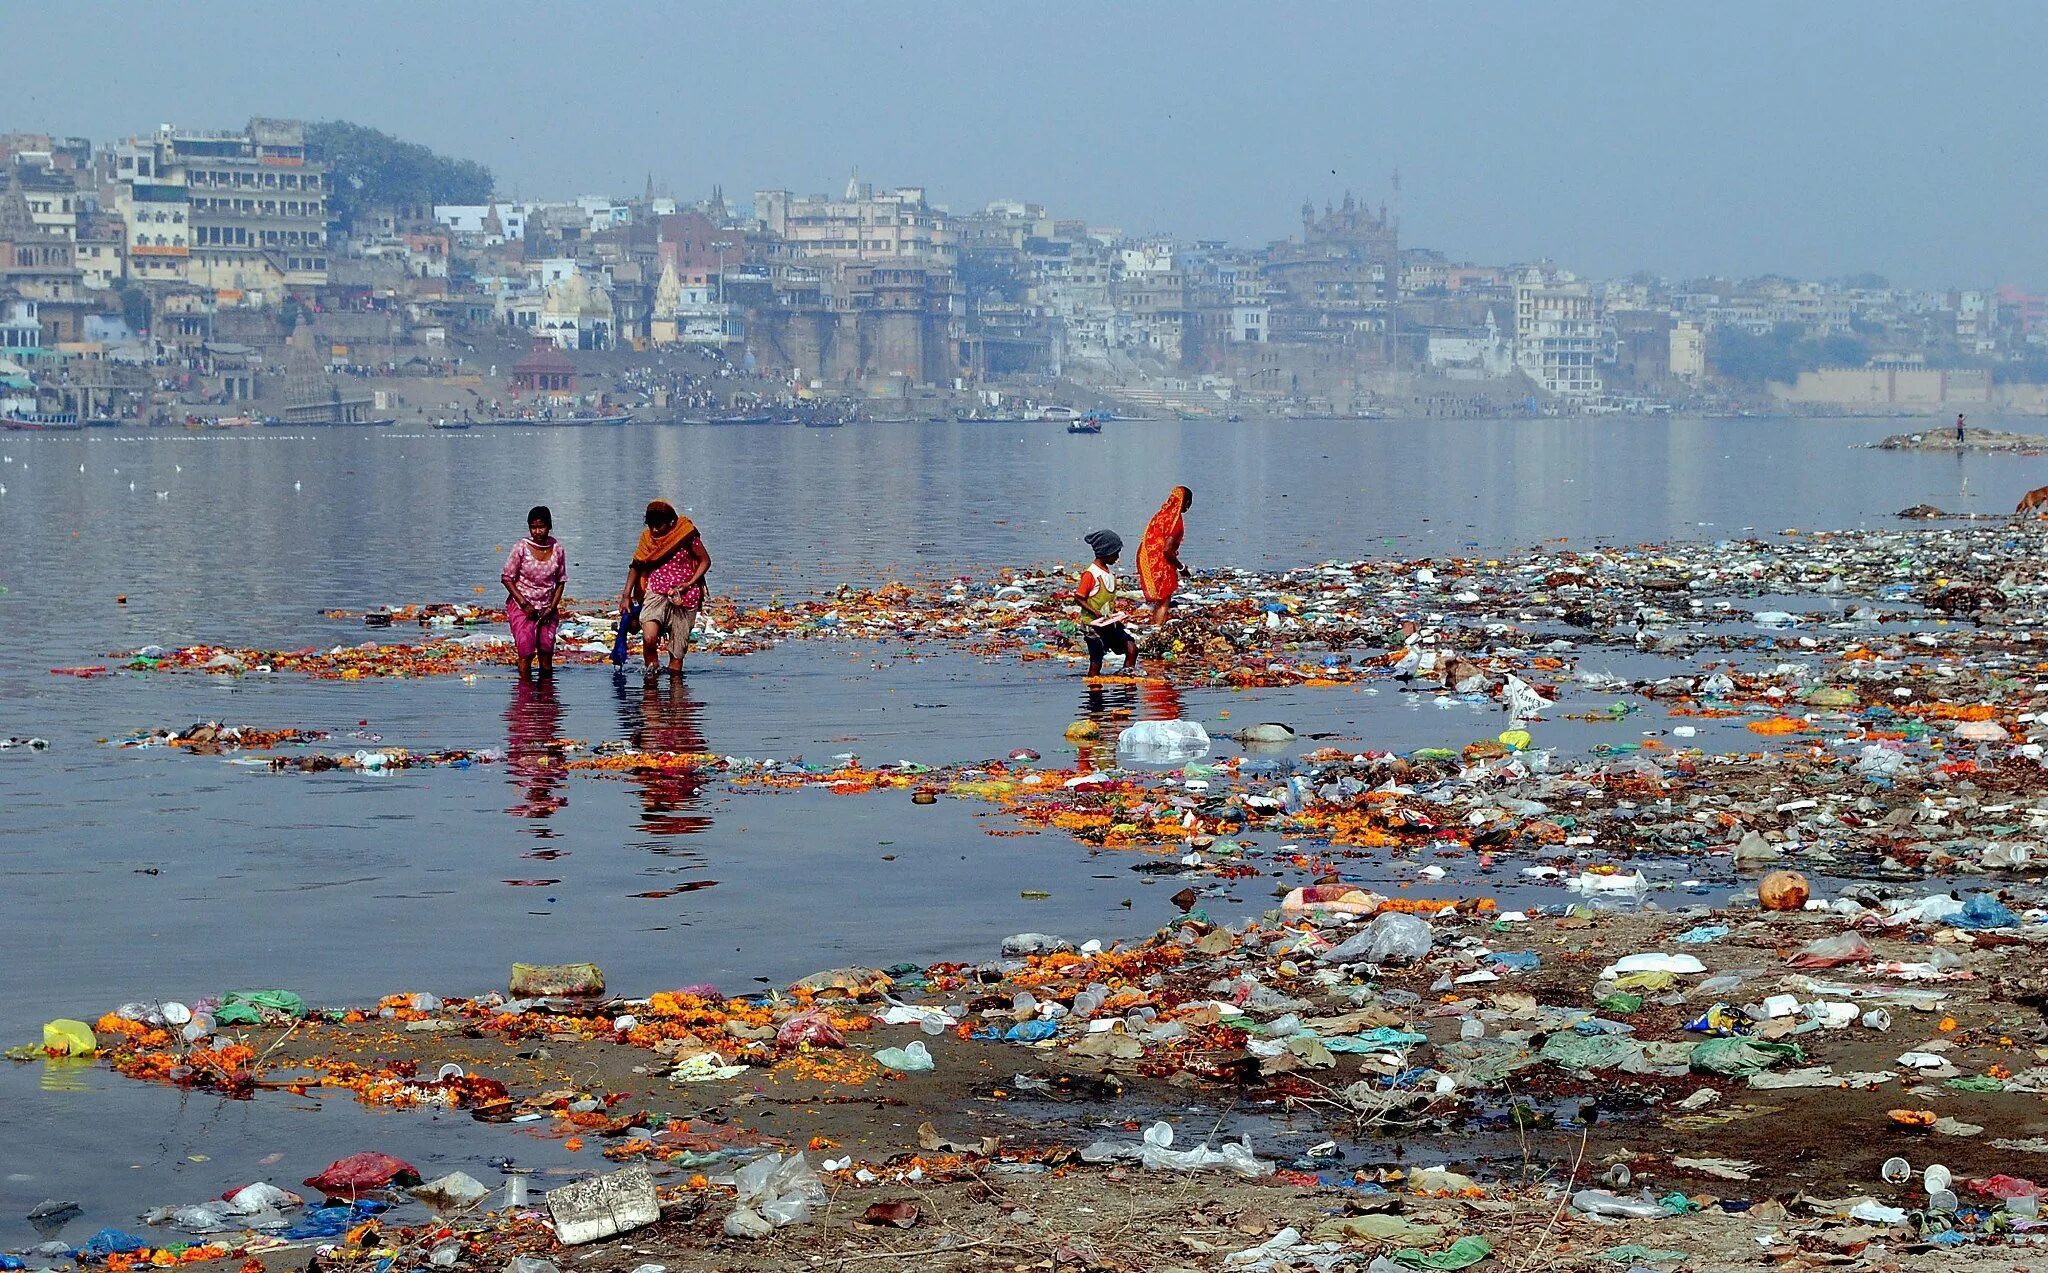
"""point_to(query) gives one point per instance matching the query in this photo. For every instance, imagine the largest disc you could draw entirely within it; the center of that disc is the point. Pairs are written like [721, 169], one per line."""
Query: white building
[487, 223]
[1474, 356]
[1558, 333]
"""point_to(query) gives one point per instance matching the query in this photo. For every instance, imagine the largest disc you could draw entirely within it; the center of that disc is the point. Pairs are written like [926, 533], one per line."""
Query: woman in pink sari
[535, 575]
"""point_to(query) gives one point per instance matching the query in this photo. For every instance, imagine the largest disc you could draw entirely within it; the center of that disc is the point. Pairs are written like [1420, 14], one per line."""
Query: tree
[1779, 354]
[370, 169]
[134, 308]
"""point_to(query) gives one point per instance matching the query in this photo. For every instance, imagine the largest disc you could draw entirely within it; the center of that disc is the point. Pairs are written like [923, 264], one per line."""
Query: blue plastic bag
[112, 1242]
[1983, 910]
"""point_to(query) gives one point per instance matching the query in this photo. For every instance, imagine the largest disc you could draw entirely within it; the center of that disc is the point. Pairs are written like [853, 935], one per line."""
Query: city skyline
[1822, 142]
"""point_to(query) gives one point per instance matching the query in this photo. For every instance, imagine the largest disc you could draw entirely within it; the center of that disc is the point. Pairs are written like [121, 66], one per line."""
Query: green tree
[134, 308]
[369, 169]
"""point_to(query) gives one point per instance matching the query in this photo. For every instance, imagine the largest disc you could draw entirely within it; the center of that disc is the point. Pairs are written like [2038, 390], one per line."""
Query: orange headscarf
[654, 550]
[1161, 544]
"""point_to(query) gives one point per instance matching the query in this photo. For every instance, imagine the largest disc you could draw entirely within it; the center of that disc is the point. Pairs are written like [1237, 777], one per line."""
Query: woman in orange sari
[1159, 568]
[668, 571]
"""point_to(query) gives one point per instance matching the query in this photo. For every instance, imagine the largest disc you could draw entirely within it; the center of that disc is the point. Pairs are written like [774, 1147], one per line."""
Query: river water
[147, 874]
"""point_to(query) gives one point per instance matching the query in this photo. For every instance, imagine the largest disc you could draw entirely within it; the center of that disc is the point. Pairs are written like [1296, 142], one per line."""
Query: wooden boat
[558, 422]
[1090, 423]
[41, 421]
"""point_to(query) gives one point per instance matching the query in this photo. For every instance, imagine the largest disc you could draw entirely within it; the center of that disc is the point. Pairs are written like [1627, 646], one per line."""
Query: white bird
[131, 486]
[163, 494]
[177, 468]
[295, 486]
[81, 468]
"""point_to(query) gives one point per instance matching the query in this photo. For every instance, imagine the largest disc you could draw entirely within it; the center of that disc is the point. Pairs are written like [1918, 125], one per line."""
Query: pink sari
[534, 581]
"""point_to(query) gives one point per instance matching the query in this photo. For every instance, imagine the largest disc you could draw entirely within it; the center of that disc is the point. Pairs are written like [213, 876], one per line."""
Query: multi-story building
[255, 204]
[1688, 351]
[861, 225]
[1558, 332]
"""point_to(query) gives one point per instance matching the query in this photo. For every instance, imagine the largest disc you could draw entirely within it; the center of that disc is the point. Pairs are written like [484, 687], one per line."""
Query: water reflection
[660, 715]
[1113, 704]
[533, 723]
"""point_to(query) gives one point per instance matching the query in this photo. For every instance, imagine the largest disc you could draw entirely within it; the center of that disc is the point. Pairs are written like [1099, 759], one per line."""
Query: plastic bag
[1601, 1202]
[359, 1172]
[1395, 937]
[1982, 910]
[809, 1027]
[784, 1191]
[260, 1196]
[1829, 952]
[1235, 1157]
[1163, 742]
[914, 1059]
[1740, 1057]
[1522, 700]
[247, 1007]
[65, 1037]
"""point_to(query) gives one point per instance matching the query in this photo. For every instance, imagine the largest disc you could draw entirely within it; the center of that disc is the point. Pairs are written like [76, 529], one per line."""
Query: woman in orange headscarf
[668, 569]
[1159, 568]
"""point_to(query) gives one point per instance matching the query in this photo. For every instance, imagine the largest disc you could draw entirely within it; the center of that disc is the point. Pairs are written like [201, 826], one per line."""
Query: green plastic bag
[1582, 1052]
[246, 1007]
[1462, 1254]
[1740, 1058]
[65, 1037]
[1619, 1002]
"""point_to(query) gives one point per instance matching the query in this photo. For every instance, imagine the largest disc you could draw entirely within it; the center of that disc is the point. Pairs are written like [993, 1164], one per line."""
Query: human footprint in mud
[667, 578]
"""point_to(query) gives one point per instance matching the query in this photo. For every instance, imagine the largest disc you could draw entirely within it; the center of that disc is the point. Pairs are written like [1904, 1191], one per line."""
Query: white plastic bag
[1163, 742]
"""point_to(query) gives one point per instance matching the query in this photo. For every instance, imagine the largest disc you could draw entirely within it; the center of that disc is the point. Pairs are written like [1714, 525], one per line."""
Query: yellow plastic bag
[65, 1037]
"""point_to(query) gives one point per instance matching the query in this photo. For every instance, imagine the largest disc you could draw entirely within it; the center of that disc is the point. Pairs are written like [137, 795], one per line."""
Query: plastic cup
[1896, 1171]
[1936, 1179]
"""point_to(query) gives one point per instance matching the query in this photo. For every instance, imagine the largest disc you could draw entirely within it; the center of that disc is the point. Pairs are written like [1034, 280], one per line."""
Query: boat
[451, 424]
[1060, 415]
[41, 421]
[559, 422]
[736, 418]
[1090, 423]
[384, 422]
[104, 422]
[824, 422]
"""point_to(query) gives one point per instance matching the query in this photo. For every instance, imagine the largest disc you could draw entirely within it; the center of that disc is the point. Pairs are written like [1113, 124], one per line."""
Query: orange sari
[1160, 548]
[654, 549]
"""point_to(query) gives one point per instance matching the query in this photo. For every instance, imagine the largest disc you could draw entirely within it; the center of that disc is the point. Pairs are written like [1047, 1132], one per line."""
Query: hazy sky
[1810, 138]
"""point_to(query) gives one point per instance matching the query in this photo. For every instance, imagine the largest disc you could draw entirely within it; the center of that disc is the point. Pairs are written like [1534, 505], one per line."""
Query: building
[485, 224]
[860, 225]
[1558, 333]
[575, 314]
[544, 370]
[1688, 352]
[254, 206]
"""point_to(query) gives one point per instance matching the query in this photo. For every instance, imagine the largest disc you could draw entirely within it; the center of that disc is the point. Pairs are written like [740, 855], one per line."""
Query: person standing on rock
[1959, 428]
